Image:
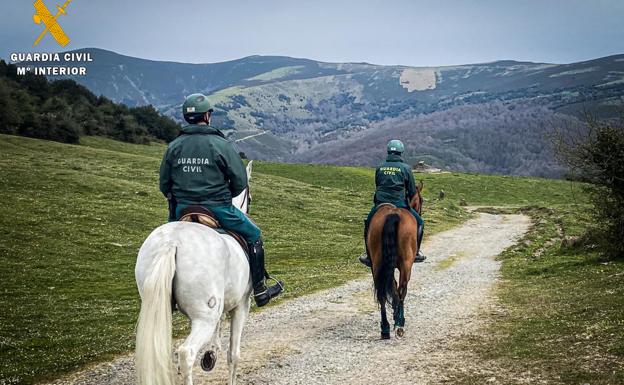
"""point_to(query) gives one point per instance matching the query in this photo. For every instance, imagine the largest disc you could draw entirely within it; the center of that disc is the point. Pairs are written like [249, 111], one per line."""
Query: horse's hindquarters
[211, 275]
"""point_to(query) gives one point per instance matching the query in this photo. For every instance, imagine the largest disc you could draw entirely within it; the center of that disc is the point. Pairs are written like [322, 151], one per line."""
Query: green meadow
[562, 308]
[74, 216]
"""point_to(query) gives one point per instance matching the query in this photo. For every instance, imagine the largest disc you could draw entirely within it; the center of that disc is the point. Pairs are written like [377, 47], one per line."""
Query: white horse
[210, 275]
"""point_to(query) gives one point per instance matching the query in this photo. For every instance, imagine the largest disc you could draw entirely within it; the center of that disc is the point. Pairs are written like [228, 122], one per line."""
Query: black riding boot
[420, 257]
[262, 293]
[365, 258]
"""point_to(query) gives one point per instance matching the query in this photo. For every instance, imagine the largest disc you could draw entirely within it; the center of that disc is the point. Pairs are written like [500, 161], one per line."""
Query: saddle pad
[201, 218]
[206, 218]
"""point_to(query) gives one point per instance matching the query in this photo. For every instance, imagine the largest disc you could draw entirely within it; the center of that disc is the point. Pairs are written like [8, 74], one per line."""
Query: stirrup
[365, 260]
[263, 292]
[264, 297]
[274, 290]
[279, 283]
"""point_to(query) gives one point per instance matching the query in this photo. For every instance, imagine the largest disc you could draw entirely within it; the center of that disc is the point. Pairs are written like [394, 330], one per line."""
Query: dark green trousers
[231, 219]
[401, 205]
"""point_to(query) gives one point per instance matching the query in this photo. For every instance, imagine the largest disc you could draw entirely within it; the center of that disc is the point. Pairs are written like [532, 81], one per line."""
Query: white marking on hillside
[418, 79]
[612, 83]
[278, 73]
[575, 72]
[140, 91]
[250, 136]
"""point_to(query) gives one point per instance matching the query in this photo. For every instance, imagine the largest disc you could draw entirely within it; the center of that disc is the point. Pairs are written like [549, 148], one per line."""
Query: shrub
[594, 152]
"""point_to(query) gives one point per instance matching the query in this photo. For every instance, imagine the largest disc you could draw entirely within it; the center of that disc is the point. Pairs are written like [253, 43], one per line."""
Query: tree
[57, 123]
[62, 110]
[9, 118]
[594, 152]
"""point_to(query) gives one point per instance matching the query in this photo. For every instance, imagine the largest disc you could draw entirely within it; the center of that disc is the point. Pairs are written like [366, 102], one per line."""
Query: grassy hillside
[73, 218]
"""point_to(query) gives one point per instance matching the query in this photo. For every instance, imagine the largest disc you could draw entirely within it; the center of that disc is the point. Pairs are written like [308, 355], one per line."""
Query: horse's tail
[153, 334]
[384, 280]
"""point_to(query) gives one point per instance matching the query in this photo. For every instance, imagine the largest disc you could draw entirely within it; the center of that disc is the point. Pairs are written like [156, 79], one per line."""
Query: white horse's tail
[153, 335]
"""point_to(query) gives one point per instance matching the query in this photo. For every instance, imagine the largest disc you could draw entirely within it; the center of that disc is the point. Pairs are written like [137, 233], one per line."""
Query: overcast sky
[409, 32]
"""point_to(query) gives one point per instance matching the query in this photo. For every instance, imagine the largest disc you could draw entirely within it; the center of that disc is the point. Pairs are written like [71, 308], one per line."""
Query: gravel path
[332, 337]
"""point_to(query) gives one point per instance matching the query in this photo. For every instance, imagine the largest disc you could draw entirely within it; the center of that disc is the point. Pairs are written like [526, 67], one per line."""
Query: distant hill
[62, 110]
[292, 109]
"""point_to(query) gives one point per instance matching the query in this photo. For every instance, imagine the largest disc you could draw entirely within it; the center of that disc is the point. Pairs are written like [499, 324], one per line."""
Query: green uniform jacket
[394, 181]
[201, 167]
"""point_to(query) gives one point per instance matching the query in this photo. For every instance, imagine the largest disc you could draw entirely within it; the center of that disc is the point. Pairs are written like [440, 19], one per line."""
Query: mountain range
[489, 117]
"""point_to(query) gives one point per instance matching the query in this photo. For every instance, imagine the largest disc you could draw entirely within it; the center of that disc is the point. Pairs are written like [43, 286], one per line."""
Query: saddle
[203, 216]
[386, 204]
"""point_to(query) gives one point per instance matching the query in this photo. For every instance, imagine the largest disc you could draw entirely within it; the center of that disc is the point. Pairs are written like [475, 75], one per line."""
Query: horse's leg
[405, 273]
[215, 341]
[209, 360]
[385, 325]
[399, 319]
[239, 314]
[201, 334]
[396, 313]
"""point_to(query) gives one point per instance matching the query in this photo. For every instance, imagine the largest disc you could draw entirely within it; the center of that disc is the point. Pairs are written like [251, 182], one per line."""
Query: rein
[247, 199]
[420, 202]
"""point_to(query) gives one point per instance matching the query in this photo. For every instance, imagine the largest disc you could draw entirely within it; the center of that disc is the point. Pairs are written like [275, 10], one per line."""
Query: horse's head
[417, 199]
[243, 200]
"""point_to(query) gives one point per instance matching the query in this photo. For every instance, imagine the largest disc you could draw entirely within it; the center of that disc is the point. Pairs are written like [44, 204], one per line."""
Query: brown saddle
[203, 216]
[386, 204]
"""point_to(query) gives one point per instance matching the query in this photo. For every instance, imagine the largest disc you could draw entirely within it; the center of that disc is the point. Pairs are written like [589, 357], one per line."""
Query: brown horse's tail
[384, 280]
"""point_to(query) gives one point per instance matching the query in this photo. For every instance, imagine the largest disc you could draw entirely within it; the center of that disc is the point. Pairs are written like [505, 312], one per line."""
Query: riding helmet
[396, 146]
[194, 107]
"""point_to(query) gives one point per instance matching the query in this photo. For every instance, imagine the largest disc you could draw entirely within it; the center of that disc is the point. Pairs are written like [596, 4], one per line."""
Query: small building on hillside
[421, 166]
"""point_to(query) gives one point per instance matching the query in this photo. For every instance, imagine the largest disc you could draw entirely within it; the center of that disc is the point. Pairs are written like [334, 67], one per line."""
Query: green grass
[563, 310]
[73, 218]
[475, 189]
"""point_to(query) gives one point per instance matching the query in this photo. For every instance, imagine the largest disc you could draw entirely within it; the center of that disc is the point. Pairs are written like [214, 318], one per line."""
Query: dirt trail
[332, 337]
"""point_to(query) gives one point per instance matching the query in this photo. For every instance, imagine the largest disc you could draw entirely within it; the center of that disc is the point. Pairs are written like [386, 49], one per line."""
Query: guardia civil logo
[43, 15]
[42, 63]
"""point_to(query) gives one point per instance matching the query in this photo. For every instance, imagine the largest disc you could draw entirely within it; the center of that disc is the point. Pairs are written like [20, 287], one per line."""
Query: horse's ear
[249, 166]
[420, 185]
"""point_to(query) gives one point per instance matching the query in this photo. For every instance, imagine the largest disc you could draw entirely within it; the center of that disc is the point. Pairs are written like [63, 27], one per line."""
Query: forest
[62, 110]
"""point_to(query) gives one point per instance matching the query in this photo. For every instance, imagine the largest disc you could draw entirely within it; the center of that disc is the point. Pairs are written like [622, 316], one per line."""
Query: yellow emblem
[42, 14]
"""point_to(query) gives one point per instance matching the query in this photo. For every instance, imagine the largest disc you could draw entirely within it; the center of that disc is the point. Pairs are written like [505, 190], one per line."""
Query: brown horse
[392, 243]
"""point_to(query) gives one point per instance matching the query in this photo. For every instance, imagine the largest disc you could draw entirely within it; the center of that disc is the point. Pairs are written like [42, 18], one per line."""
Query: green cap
[196, 104]
[396, 145]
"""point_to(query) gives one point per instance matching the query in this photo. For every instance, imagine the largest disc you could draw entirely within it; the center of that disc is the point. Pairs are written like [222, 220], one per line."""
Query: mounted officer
[395, 184]
[200, 167]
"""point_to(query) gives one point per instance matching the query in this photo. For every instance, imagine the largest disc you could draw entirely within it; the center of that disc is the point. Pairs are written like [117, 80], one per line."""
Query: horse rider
[200, 167]
[395, 184]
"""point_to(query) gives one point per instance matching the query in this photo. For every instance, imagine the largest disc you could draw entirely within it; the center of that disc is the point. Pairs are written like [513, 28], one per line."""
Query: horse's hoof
[208, 361]
[385, 335]
[400, 332]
